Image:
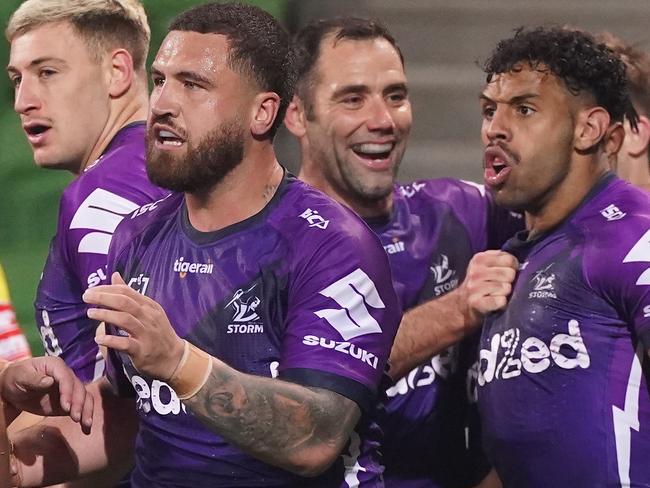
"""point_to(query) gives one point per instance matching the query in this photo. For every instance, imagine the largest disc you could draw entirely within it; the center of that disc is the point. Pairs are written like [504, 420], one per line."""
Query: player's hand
[151, 343]
[488, 282]
[46, 386]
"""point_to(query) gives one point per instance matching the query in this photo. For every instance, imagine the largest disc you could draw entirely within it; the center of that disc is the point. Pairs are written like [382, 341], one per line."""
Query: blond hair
[103, 24]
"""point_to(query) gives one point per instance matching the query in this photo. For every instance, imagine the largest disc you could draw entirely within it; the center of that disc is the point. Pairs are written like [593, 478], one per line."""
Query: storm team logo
[245, 320]
[443, 275]
[543, 284]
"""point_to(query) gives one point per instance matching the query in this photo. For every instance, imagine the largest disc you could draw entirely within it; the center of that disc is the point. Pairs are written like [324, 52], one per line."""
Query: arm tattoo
[278, 422]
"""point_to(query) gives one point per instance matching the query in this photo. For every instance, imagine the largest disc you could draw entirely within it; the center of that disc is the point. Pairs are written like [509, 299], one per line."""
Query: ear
[591, 128]
[636, 143]
[265, 110]
[614, 139]
[295, 119]
[121, 72]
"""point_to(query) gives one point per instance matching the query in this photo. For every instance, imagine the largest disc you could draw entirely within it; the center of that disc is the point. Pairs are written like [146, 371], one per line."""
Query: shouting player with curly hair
[563, 388]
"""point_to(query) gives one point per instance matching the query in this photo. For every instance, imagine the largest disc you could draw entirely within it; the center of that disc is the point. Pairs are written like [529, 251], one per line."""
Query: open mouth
[497, 166]
[373, 151]
[168, 138]
[36, 129]
[35, 132]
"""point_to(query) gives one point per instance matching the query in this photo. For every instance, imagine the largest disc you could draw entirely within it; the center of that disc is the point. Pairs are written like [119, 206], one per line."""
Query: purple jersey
[91, 208]
[563, 374]
[301, 291]
[435, 228]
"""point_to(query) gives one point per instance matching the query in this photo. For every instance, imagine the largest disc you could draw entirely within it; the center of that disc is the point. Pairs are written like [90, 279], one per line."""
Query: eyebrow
[37, 61]
[346, 90]
[186, 75]
[396, 86]
[512, 101]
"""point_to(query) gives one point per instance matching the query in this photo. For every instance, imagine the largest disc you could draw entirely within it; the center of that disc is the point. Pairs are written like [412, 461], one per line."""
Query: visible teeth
[172, 142]
[371, 148]
[166, 133]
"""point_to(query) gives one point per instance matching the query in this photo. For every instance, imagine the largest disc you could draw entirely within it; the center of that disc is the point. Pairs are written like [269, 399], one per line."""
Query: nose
[163, 102]
[26, 98]
[497, 127]
[380, 116]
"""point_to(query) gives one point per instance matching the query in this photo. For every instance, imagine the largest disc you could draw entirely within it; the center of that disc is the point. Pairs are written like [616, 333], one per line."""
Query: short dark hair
[308, 41]
[575, 57]
[637, 69]
[259, 47]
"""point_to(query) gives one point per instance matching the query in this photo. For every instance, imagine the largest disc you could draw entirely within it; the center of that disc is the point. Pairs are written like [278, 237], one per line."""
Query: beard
[203, 166]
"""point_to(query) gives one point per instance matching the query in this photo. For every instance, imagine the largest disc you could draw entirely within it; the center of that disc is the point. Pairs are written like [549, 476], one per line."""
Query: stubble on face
[203, 166]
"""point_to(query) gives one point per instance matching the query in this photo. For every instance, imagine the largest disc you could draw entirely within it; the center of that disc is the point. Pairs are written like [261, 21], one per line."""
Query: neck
[131, 107]
[558, 204]
[636, 171]
[244, 192]
[364, 208]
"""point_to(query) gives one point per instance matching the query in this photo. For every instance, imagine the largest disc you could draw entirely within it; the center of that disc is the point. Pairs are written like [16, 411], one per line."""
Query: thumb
[116, 279]
[37, 382]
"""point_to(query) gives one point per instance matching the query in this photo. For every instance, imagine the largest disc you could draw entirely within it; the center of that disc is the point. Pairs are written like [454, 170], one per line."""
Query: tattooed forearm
[297, 428]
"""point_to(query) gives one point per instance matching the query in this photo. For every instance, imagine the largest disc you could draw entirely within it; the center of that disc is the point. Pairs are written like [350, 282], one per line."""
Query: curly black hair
[575, 57]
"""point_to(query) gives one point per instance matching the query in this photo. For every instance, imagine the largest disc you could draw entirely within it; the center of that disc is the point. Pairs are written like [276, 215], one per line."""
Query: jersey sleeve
[488, 225]
[342, 316]
[618, 268]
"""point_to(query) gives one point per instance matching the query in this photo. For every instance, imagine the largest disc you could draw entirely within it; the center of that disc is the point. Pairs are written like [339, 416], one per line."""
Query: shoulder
[447, 191]
[118, 176]
[615, 227]
[144, 223]
[306, 214]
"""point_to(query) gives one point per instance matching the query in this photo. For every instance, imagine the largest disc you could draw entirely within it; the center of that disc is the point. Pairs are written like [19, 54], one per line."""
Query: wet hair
[309, 39]
[637, 67]
[103, 24]
[259, 47]
[575, 57]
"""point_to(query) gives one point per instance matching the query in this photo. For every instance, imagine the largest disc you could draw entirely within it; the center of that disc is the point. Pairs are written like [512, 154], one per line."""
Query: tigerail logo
[508, 354]
[543, 284]
[444, 277]
[395, 247]
[183, 267]
[343, 347]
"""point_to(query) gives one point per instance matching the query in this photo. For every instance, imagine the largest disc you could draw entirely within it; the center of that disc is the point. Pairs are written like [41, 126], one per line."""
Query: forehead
[525, 81]
[193, 51]
[362, 62]
[56, 40]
